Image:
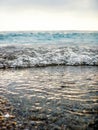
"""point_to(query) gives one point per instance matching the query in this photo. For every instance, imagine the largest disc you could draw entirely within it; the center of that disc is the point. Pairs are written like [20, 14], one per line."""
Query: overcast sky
[48, 15]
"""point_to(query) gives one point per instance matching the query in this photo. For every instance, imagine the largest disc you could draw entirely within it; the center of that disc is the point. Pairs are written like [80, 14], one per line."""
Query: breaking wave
[30, 56]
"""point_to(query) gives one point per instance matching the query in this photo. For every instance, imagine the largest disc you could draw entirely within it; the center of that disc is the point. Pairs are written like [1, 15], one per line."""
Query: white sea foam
[30, 56]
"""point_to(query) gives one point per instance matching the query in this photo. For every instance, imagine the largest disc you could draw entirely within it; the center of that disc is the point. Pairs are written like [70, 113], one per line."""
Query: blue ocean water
[29, 49]
[59, 37]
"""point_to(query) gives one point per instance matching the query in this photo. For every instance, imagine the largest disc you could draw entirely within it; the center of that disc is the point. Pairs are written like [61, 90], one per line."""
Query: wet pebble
[33, 123]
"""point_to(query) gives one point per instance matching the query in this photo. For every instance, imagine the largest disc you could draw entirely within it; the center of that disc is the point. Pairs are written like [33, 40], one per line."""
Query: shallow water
[30, 49]
[62, 95]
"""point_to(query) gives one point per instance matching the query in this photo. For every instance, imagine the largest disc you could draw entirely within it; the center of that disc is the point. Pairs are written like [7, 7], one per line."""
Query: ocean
[50, 79]
[29, 49]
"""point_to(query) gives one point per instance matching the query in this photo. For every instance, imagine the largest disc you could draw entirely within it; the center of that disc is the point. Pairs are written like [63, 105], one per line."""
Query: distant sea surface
[59, 37]
[29, 49]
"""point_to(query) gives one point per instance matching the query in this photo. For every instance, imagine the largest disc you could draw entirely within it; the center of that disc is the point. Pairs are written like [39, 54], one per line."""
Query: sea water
[29, 49]
[51, 37]
[53, 97]
[60, 87]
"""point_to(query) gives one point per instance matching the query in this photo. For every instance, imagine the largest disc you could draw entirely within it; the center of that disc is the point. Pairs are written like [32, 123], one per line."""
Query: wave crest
[16, 57]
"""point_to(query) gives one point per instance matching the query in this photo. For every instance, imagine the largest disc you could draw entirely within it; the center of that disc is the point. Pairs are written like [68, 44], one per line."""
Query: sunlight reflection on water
[70, 93]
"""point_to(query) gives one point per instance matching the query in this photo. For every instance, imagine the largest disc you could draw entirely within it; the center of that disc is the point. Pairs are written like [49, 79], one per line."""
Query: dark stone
[94, 126]
[63, 86]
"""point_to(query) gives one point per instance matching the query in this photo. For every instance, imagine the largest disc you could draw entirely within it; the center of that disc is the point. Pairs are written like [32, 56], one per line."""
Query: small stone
[88, 79]
[63, 86]
[55, 127]
[33, 123]
[54, 119]
[7, 115]
[4, 128]
[78, 127]
[14, 123]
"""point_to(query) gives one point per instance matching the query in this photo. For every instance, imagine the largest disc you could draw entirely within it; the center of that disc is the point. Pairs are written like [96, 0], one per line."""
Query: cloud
[52, 4]
[48, 14]
[78, 7]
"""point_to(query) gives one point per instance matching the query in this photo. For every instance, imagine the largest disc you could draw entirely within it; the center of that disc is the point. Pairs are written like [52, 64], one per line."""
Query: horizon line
[49, 30]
